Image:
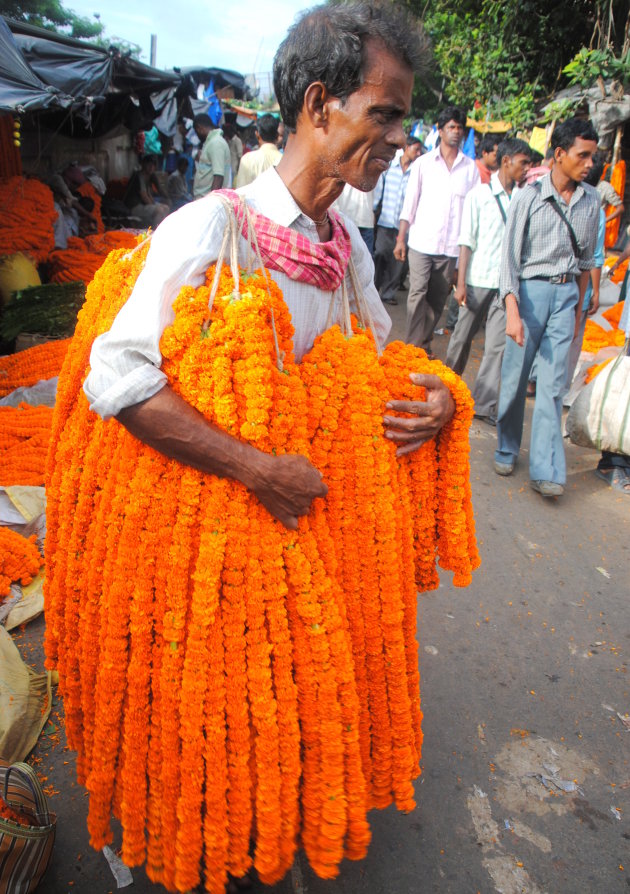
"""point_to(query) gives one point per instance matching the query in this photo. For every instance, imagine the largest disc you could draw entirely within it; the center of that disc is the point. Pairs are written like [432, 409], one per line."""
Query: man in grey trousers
[480, 240]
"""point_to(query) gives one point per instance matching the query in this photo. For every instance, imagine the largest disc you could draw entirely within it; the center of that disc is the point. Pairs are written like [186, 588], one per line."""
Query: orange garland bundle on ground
[27, 217]
[24, 436]
[613, 314]
[596, 338]
[244, 696]
[83, 257]
[32, 365]
[20, 560]
[594, 370]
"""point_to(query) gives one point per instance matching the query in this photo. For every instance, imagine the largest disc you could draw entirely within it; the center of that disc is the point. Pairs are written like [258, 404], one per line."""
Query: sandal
[616, 477]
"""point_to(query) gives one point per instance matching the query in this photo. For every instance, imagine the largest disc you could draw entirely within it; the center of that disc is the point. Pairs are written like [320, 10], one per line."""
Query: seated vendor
[144, 195]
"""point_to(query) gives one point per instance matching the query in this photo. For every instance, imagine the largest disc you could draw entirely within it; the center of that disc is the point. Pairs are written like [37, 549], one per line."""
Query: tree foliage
[51, 14]
[502, 56]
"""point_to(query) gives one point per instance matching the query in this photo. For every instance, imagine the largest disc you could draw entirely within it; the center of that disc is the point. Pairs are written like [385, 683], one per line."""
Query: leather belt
[558, 279]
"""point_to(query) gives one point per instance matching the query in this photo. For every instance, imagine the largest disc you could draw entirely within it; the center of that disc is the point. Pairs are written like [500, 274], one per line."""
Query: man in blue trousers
[547, 254]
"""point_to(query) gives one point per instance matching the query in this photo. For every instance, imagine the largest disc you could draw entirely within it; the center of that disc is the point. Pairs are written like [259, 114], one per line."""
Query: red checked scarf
[321, 264]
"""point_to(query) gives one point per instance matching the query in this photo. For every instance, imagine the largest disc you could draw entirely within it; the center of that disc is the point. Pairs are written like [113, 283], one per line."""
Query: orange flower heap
[24, 435]
[27, 217]
[20, 559]
[32, 365]
[222, 681]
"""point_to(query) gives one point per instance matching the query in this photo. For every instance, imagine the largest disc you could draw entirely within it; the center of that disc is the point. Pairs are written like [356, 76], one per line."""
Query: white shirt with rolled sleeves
[125, 361]
[434, 202]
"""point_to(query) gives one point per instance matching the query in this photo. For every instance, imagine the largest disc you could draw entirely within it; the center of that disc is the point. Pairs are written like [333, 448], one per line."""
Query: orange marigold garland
[24, 434]
[20, 560]
[32, 365]
[27, 218]
[281, 707]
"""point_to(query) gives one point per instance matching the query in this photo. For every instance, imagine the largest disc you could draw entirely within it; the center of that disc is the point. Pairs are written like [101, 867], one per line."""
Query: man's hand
[594, 304]
[400, 250]
[286, 486]
[514, 328]
[460, 294]
[428, 416]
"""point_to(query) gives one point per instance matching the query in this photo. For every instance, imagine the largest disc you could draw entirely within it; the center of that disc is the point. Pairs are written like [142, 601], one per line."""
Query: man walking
[213, 165]
[480, 241]
[431, 217]
[549, 244]
[389, 196]
[487, 161]
[266, 156]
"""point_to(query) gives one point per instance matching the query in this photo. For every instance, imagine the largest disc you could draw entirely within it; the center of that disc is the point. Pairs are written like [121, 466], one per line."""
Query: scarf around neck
[321, 264]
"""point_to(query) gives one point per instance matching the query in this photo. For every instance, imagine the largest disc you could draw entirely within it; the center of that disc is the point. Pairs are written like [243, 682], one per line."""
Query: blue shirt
[598, 256]
[390, 193]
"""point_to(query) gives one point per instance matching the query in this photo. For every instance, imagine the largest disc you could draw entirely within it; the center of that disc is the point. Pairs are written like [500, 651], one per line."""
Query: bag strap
[498, 201]
[577, 251]
[551, 200]
[28, 775]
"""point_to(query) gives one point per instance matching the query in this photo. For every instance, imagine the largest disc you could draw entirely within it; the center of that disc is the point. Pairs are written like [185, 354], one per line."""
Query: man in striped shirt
[389, 196]
[547, 254]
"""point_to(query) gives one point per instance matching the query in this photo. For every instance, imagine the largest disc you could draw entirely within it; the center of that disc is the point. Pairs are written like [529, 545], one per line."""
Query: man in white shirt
[430, 221]
[360, 60]
[266, 156]
[480, 240]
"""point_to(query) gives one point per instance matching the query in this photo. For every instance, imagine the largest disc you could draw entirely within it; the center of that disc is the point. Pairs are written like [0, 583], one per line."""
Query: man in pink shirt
[430, 219]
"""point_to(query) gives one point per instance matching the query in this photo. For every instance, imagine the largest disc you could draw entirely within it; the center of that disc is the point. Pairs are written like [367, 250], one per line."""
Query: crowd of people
[206, 158]
[516, 241]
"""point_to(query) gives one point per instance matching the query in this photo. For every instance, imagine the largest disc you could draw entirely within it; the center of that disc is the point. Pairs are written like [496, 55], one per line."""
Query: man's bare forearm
[170, 425]
[285, 485]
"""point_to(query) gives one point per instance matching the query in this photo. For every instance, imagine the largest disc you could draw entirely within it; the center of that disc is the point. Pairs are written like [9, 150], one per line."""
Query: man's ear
[318, 104]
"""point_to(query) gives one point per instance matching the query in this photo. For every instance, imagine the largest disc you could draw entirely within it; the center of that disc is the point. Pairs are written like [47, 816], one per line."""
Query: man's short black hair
[414, 141]
[267, 127]
[328, 44]
[203, 120]
[512, 147]
[182, 162]
[451, 113]
[149, 158]
[488, 143]
[567, 132]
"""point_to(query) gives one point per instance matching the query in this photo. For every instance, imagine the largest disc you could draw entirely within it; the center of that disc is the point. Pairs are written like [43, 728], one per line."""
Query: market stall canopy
[21, 90]
[103, 86]
[221, 77]
[83, 69]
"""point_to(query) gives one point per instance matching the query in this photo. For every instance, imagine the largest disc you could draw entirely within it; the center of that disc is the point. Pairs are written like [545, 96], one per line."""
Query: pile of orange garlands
[596, 337]
[20, 561]
[83, 257]
[87, 191]
[226, 680]
[595, 370]
[24, 437]
[32, 365]
[27, 216]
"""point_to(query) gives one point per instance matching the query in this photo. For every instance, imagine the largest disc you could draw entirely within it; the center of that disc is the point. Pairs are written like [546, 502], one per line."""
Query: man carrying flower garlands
[232, 572]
